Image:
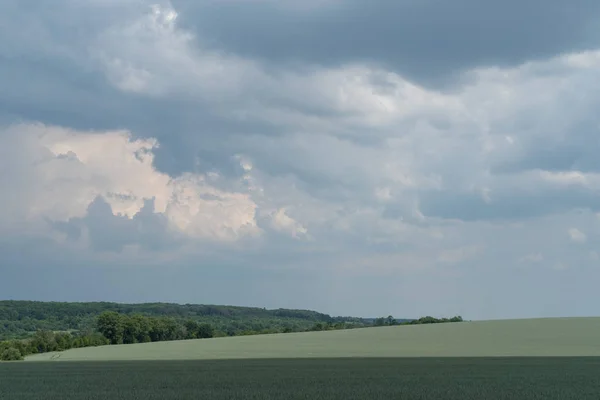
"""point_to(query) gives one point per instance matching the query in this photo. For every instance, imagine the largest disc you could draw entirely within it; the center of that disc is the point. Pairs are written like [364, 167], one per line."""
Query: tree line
[19, 319]
[126, 329]
[390, 320]
[38, 327]
[46, 341]
[115, 328]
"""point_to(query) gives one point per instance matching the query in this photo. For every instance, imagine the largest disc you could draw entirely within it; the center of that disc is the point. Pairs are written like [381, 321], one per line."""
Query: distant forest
[19, 319]
[28, 327]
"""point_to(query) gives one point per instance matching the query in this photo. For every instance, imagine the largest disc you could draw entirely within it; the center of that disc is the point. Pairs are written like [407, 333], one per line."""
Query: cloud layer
[304, 155]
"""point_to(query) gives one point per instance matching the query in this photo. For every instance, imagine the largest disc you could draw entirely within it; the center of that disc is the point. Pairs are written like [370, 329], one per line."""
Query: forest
[20, 319]
[29, 327]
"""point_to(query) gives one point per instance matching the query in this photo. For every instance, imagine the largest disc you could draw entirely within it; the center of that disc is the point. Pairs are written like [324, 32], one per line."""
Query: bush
[11, 354]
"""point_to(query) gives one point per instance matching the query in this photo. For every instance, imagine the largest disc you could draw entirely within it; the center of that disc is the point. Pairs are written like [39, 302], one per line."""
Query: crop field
[517, 338]
[515, 359]
[504, 378]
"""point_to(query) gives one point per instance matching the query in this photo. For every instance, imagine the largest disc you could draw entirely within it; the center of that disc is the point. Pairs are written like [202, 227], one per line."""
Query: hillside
[20, 318]
[527, 337]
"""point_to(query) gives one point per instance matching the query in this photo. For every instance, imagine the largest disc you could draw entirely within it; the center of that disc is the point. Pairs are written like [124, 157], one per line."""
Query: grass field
[546, 378]
[515, 359]
[530, 337]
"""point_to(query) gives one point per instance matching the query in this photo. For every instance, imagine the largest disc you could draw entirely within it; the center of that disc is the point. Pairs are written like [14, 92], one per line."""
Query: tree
[205, 331]
[318, 327]
[191, 329]
[390, 320]
[11, 354]
[173, 331]
[136, 329]
[64, 341]
[44, 341]
[143, 333]
[380, 321]
[110, 325]
[131, 329]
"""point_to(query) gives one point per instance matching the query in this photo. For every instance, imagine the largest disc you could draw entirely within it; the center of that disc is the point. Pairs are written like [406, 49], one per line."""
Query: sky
[354, 157]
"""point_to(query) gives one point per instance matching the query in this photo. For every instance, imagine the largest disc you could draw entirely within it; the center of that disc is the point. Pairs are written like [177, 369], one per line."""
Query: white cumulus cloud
[68, 170]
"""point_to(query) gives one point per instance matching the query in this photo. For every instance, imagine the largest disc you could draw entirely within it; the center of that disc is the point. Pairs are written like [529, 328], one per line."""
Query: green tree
[158, 331]
[173, 331]
[44, 341]
[143, 333]
[130, 329]
[11, 354]
[64, 341]
[136, 329]
[205, 331]
[110, 325]
[191, 329]
[319, 326]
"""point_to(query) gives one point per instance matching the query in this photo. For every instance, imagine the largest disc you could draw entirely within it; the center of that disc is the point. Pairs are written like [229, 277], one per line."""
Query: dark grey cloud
[191, 133]
[319, 146]
[48, 74]
[111, 233]
[427, 40]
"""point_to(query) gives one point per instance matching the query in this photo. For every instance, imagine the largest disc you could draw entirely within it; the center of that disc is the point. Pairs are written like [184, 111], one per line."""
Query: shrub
[11, 354]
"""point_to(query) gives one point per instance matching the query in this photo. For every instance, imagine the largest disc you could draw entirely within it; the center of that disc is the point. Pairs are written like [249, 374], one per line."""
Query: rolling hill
[526, 337]
[20, 319]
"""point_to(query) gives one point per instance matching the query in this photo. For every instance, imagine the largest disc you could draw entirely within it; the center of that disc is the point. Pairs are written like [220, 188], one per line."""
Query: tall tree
[110, 324]
[205, 331]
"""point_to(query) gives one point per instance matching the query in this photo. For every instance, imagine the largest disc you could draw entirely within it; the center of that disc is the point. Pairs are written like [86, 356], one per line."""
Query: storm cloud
[425, 154]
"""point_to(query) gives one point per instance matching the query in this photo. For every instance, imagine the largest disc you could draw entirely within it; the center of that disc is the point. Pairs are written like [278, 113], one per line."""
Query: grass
[504, 378]
[493, 360]
[516, 338]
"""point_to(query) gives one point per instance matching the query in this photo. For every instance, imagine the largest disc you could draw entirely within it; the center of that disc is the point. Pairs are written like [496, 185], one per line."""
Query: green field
[512, 359]
[517, 338]
[350, 378]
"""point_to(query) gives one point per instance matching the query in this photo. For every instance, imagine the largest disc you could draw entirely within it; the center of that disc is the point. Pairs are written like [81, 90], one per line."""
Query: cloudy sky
[356, 157]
